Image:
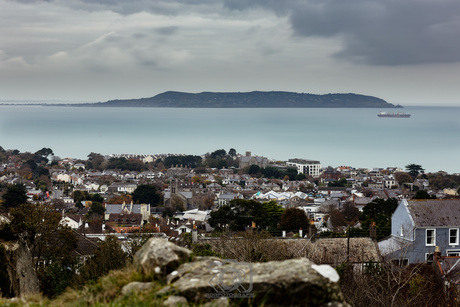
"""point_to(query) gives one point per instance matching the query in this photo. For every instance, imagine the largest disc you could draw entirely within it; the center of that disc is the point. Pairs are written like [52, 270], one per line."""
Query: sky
[405, 52]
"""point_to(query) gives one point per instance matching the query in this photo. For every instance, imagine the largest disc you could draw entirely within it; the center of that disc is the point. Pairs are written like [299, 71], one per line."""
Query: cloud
[383, 32]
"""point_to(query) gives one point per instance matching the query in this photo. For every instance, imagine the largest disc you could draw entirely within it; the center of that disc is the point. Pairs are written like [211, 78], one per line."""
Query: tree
[254, 169]
[239, 215]
[109, 257]
[232, 152]
[294, 219]
[45, 152]
[274, 213]
[422, 194]
[414, 169]
[96, 209]
[146, 194]
[15, 195]
[402, 178]
[218, 154]
[51, 244]
[350, 213]
[380, 212]
[300, 177]
[95, 161]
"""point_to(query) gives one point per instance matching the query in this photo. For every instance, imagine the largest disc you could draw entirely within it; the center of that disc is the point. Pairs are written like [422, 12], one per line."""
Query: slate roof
[86, 246]
[435, 212]
[126, 219]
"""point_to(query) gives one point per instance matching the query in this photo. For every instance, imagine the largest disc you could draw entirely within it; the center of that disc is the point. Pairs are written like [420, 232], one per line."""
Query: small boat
[392, 114]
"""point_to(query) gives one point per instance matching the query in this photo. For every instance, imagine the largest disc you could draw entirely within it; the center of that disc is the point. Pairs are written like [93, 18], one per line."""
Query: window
[429, 258]
[431, 237]
[400, 262]
[453, 252]
[453, 236]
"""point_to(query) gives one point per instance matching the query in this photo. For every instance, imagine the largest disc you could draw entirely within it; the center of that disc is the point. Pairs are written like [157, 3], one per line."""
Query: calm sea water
[355, 137]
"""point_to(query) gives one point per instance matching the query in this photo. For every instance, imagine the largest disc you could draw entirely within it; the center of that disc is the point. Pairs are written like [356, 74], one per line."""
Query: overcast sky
[403, 51]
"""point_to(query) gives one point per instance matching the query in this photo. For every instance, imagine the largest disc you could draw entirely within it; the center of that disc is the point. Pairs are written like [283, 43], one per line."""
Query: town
[336, 215]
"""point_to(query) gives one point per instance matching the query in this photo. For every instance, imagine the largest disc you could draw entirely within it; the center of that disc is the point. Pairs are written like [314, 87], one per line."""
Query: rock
[291, 282]
[218, 302]
[176, 301]
[159, 256]
[20, 270]
[136, 286]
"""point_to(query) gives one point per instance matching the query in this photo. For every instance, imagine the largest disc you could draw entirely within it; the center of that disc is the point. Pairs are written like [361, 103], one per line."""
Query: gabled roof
[434, 212]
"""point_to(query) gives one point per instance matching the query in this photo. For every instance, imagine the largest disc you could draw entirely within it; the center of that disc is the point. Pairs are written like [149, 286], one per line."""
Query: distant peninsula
[256, 99]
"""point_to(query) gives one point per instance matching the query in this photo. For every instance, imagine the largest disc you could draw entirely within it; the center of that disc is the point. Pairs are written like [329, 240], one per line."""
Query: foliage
[414, 169]
[350, 213]
[4, 280]
[380, 212]
[124, 164]
[294, 219]
[338, 183]
[51, 244]
[274, 213]
[109, 257]
[95, 161]
[96, 210]
[240, 214]
[232, 152]
[186, 161]
[146, 194]
[218, 154]
[204, 250]
[14, 196]
[441, 180]
[402, 178]
[422, 194]
[383, 284]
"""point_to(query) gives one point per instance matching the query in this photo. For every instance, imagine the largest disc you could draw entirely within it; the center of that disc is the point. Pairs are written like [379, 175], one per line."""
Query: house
[143, 209]
[418, 226]
[248, 160]
[225, 198]
[307, 167]
[124, 223]
[73, 221]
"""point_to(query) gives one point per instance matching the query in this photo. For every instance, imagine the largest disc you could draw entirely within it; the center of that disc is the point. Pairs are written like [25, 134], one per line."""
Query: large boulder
[19, 268]
[291, 282]
[160, 257]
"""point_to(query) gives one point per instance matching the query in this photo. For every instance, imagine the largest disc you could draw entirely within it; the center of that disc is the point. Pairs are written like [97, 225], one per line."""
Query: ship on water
[393, 114]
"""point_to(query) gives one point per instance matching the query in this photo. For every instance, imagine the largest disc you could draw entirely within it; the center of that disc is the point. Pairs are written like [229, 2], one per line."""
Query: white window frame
[433, 238]
[453, 252]
[429, 257]
[456, 236]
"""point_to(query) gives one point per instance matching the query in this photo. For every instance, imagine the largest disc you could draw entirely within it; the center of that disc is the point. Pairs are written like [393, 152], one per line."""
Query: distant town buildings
[307, 167]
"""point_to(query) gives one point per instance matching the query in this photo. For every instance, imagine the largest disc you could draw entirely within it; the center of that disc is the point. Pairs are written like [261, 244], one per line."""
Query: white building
[307, 167]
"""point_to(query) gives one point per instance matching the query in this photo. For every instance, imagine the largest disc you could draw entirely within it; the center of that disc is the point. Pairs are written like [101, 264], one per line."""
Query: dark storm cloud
[390, 32]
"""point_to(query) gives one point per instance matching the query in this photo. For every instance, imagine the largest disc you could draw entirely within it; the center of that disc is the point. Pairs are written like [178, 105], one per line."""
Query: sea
[336, 137]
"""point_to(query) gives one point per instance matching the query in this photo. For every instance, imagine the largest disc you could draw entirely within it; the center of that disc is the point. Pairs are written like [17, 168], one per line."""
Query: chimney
[194, 233]
[373, 231]
[437, 254]
[311, 229]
